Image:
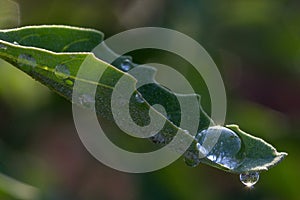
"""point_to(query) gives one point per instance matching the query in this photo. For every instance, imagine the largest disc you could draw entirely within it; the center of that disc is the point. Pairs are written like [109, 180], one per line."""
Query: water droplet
[161, 138]
[3, 47]
[158, 139]
[191, 162]
[86, 100]
[62, 71]
[202, 150]
[168, 116]
[199, 136]
[25, 60]
[191, 158]
[221, 145]
[16, 43]
[126, 65]
[69, 82]
[139, 98]
[249, 178]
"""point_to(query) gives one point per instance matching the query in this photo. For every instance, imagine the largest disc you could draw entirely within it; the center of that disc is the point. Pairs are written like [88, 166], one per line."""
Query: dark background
[255, 44]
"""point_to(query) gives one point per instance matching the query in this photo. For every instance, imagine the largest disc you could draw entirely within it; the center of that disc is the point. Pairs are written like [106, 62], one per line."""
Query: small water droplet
[191, 162]
[69, 82]
[16, 43]
[191, 158]
[168, 116]
[126, 65]
[62, 71]
[25, 60]
[86, 100]
[249, 178]
[3, 47]
[139, 98]
[158, 139]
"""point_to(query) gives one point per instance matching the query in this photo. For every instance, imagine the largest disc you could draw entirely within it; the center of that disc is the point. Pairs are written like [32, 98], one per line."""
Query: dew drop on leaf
[221, 145]
[191, 158]
[158, 139]
[191, 162]
[126, 65]
[249, 178]
[139, 98]
[25, 60]
[86, 100]
[62, 71]
[16, 43]
[69, 82]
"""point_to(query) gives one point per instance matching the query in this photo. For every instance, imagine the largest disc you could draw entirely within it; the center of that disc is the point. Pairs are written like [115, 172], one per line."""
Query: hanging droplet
[25, 60]
[139, 98]
[221, 145]
[62, 71]
[126, 65]
[249, 178]
[3, 47]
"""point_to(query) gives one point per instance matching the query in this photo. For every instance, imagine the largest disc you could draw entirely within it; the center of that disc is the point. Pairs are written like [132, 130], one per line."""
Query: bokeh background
[255, 44]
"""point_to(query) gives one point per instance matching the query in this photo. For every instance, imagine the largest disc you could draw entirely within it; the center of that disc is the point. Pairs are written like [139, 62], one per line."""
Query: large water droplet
[62, 71]
[3, 47]
[139, 98]
[220, 145]
[249, 178]
[126, 65]
[16, 43]
[26, 60]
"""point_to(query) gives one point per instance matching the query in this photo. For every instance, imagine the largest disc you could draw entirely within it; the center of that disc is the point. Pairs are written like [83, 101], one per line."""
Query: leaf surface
[53, 55]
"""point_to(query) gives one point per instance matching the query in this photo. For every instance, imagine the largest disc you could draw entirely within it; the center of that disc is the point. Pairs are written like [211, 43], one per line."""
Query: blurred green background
[255, 44]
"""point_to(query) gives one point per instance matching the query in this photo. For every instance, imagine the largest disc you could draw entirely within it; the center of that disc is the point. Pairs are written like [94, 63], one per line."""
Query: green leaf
[258, 154]
[54, 38]
[53, 54]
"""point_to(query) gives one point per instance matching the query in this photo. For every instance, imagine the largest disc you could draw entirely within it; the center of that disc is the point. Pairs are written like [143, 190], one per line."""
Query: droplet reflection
[249, 178]
[139, 98]
[220, 145]
[62, 71]
[25, 60]
[126, 65]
